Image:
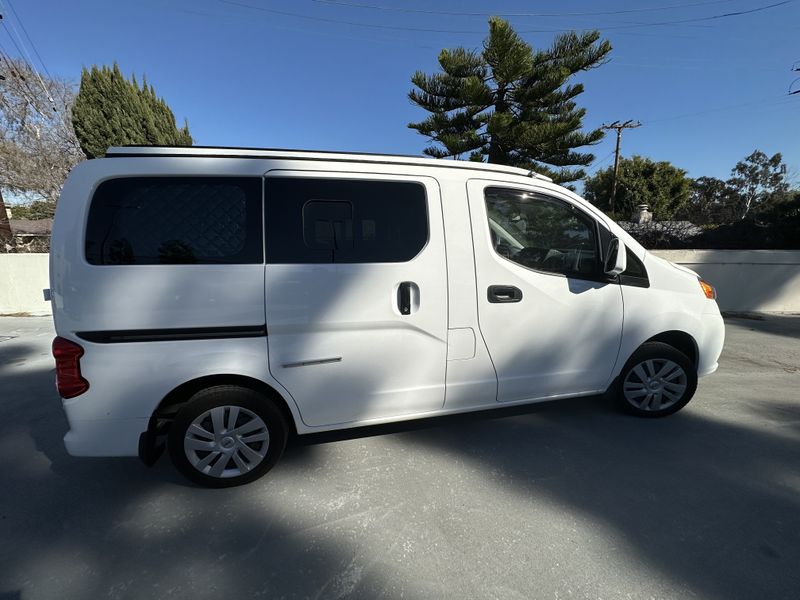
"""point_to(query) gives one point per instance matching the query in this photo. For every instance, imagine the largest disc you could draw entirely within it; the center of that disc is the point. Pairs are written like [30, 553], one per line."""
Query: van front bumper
[710, 346]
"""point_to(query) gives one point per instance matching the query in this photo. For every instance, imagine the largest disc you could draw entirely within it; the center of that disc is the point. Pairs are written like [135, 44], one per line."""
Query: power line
[28, 94]
[711, 18]
[62, 115]
[473, 31]
[520, 14]
[25, 31]
[26, 58]
[25, 91]
[597, 163]
[713, 110]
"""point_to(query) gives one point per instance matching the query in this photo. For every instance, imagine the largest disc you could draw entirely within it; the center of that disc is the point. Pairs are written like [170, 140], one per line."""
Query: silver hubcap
[655, 384]
[226, 441]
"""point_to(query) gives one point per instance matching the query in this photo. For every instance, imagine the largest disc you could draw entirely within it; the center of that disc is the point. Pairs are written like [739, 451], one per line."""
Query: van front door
[356, 294]
[551, 321]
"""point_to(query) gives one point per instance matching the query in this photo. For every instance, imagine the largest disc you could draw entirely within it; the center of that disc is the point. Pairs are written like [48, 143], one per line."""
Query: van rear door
[356, 294]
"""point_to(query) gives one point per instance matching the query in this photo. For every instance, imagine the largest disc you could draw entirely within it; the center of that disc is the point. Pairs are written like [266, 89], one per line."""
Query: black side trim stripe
[171, 335]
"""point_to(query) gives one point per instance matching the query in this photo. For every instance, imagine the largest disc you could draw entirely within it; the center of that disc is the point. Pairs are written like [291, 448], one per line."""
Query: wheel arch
[680, 340]
[151, 444]
[172, 402]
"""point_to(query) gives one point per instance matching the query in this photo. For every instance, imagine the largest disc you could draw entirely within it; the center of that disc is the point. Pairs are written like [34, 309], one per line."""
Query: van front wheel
[227, 435]
[657, 381]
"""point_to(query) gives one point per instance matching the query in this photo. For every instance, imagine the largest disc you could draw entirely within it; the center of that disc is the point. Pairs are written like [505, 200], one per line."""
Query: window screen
[344, 221]
[175, 220]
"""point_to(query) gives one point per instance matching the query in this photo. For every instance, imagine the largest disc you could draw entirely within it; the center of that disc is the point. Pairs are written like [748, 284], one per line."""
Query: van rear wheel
[226, 436]
[657, 381]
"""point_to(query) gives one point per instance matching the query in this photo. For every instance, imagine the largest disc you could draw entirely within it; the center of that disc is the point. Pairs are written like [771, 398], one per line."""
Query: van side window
[328, 225]
[318, 220]
[176, 220]
[542, 233]
[635, 273]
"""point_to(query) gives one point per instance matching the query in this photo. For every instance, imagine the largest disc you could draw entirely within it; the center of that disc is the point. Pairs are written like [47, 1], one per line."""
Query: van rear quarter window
[318, 220]
[176, 220]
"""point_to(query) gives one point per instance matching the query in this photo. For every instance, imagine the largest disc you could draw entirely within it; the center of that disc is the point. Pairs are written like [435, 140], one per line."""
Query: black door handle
[404, 298]
[504, 293]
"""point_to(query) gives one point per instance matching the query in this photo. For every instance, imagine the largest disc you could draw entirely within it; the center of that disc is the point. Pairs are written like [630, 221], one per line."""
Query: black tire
[245, 407]
[654, 397]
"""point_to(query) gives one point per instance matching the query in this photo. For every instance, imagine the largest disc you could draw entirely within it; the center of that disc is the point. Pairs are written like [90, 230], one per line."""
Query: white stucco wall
[22, 279]
[746, 280]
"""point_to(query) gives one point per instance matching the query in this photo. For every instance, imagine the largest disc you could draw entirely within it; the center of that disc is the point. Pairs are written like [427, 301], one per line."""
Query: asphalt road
[570, 500]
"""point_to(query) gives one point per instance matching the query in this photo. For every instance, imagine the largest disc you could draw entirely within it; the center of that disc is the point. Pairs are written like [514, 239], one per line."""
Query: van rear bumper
[104, 437]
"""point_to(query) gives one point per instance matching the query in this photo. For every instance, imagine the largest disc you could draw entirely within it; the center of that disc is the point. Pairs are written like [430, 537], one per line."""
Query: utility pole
[630, 124]
[6, 237]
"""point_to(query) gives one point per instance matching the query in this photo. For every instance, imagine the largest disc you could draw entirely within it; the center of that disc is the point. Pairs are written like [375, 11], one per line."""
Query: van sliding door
[356, 294]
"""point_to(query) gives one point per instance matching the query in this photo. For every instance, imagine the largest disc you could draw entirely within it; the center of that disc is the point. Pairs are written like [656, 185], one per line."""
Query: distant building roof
[30, 227]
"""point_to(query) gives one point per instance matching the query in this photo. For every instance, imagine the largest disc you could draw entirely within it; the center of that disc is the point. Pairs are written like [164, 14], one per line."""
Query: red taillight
[68, 368]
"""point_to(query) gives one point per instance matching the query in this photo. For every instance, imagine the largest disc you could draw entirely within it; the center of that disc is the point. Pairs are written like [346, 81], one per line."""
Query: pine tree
[112, 111]
[511, 104]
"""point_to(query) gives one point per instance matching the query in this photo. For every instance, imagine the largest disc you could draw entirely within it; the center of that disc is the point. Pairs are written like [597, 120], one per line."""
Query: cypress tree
[511, 104]
[110, 110]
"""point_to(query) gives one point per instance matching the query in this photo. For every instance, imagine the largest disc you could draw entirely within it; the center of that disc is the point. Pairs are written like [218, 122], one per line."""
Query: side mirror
[616, 259]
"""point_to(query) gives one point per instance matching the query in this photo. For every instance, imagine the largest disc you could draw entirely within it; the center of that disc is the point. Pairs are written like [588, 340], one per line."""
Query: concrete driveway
[570, 500]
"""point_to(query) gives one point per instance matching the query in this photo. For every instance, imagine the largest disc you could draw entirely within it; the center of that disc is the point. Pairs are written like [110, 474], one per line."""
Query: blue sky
[707, 92]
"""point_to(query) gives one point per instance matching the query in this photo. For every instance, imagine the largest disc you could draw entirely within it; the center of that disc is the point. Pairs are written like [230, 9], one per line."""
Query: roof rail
[237, 152]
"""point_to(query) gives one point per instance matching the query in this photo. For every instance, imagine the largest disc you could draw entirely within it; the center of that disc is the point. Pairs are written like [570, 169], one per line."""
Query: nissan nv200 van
[216, 301]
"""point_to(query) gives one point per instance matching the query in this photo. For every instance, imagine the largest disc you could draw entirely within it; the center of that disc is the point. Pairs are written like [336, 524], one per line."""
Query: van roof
[365, 157]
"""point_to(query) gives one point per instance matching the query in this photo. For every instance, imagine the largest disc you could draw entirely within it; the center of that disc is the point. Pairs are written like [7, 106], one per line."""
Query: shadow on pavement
[707, 503]
[703, 500]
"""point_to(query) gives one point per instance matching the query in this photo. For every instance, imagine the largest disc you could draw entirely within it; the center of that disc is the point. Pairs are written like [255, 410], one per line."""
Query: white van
[224, 299]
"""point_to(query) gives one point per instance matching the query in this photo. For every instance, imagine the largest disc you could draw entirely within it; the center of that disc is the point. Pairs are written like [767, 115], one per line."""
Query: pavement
[566, 500]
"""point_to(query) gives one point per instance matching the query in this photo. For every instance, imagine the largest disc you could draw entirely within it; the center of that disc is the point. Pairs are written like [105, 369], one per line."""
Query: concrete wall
[22, 279]
[747, 280]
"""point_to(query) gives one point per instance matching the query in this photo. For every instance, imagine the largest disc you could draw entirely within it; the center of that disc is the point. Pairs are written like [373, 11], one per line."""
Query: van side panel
[148, 297]
[129, 378]
[471, 378]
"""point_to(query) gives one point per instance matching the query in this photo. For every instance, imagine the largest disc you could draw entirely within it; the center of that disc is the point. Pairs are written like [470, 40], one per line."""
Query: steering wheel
[530, 257]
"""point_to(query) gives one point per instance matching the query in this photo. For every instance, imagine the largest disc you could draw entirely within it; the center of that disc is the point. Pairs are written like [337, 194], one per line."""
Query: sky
[334, 74]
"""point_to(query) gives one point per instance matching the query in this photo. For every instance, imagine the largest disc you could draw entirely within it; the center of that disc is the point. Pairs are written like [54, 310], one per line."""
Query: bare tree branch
[38, 146]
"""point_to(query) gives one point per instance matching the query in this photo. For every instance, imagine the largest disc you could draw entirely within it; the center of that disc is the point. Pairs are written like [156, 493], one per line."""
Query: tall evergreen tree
[112, 111]
[511, 104]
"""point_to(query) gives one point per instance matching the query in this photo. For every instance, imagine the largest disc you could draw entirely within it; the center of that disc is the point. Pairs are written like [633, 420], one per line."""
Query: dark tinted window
[175, 220]
[635, 272]
[542, 233]
[328, 225]
[345, 221]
